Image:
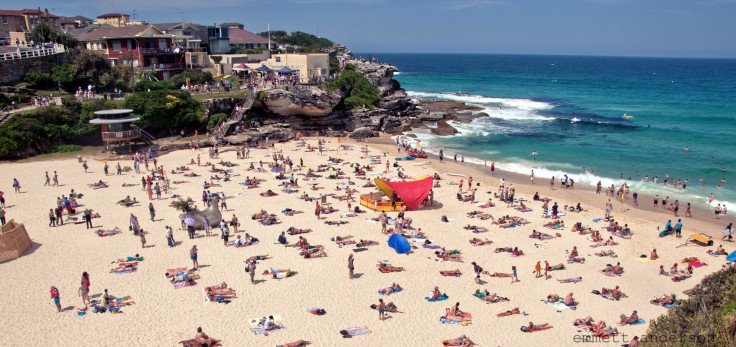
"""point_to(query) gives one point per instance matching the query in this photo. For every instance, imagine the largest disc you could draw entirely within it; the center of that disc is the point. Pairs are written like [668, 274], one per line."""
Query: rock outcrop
[444, 129]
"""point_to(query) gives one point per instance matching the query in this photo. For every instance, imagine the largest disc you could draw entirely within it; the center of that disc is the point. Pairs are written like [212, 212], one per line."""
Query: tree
[216, 58]
[165, 109]
[37, 78]
[67, 40]
[89, 66]
[44, 32]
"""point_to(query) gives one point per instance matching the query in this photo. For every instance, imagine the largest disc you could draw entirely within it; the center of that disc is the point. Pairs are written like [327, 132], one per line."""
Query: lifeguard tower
[117, 127]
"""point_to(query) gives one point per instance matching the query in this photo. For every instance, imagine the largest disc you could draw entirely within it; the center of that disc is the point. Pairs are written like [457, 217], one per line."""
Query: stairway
[145, 137]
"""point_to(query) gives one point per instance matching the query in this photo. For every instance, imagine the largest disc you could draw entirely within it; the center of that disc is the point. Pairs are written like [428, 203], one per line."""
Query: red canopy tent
[412, 193]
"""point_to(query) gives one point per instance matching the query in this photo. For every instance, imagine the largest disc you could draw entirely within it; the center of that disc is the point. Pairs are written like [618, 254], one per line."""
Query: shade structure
[276, 169]
[731, 257]
[330, 169]
[263, 68]
[285, 69]
[189, 221]
[412, 193]
[240, 67]
[399, 244]
[354, 165]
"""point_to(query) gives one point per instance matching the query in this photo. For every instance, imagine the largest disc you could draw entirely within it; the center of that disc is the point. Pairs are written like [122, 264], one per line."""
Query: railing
[162, 51]
[143, 134]
[30, 53]
[121, 135]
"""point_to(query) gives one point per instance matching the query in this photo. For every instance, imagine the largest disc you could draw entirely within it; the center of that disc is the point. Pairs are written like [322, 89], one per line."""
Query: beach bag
[444, 219]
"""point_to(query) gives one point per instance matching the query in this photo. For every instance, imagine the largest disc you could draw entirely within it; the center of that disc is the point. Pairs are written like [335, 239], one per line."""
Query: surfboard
[455, 174]
[665, 233]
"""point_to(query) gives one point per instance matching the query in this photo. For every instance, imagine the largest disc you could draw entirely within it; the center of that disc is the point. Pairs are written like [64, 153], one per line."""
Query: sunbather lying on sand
[297, 231]
[385, 267]
[535, 327]
[475, 228]
[127, 259]
[186, 276]
[509, 312]
[497, 274]
[257, 258]
[489, 297]
[108, 232]
[478, 242]
[450, 317]
[299, 343]
[605, 253]
[663, 300]
[341, 238]
[630, 319]
[460, 341]
[126, 268]
[366, 243]
[616, 269]
[335, 222]
[614, 293]
[608, 242]
[579, 260]
[388, 290]
[451, 273]
[693, 290]
[540, 236]
[571, 280]
[314, 252]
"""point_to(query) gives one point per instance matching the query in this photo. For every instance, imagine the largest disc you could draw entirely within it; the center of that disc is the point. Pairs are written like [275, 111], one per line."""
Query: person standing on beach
[88, 218]
[84, 289]
[190, 231]
[687, 211]
[157, 189]
[170, 236]
[142, 234]
[538, 270]
[118, 169]
[351, 266]
[2, 199]
[206, 225]
[532, 177]
[225, 233]
[152, 210]
[609, 208]
[514, 276]
[636, 199]
[16, 185]
[106, 169]
[149, 190]
[442, 155]
[55, 298]
[317, 209]
[52, 218]
[552, 183]
[470, 182]
[381, 309]
[59, 216]
[48, 180]
[493, 167]
[193, 256]
[476, 271]
[56, 179]
[384, 221]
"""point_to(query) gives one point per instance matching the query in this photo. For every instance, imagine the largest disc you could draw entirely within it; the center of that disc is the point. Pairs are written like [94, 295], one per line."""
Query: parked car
[4, 41]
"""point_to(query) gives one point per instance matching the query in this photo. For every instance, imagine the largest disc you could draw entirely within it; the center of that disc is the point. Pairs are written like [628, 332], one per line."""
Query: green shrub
[361, 92]
[65, 148]
[216, 118]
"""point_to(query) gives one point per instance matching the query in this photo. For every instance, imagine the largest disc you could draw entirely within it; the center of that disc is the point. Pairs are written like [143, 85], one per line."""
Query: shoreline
[702, 218]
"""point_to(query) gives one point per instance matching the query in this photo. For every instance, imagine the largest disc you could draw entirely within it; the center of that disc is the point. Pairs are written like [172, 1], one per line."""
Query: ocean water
[569, 110]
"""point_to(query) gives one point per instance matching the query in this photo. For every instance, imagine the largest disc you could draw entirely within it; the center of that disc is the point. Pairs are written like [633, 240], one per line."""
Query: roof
[238, 36]
[115, 32]
[176, 25]
[77, 32]
[81, 18]
[11, 13]
[112, 15]
[35, 11]
[231, 24]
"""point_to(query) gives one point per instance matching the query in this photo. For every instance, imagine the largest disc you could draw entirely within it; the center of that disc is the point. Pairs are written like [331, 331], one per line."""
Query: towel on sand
[354, 331]
[643, 260]
[393, 292]
[558, 305]
[442, 298]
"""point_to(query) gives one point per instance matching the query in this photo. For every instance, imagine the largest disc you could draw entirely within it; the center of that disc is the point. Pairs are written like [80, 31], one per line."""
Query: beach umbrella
[189, 221]
[330, 169]
[263, 68]
[276, 169]
[399, 244]
[731, 257]
[354, 165]
[286, 69]
[240, 67]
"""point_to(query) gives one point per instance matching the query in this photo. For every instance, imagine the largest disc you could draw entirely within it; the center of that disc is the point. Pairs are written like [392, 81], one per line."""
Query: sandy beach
[163, 315]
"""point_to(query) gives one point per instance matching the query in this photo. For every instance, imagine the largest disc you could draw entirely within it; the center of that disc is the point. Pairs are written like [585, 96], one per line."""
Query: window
[5, 20]
[128, 44]
[194, 59]
[116, 45]
[162, 43]
[278, 59]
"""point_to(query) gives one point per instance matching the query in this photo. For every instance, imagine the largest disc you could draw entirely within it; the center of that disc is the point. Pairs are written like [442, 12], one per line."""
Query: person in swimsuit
[193, 256]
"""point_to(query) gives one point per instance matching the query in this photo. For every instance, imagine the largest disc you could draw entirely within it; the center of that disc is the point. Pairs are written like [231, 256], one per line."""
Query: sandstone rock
[432, 117]
[364, 132]
[444, 129]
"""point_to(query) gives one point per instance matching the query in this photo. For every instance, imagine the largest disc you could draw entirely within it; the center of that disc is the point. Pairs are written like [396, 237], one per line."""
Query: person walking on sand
[84, 289]
[381, 309]
[16, 185]
[152, 210]
[552, 183]
[538, 270]
[351, 266]
[317, 209]
[56, 179]
[88, 218]
[193, 256]
[48, 180]
[532, 177]
[234, 223]
[546, 270]
[157, 189]
[609, 208]
[514, 276]
[170, 236]
[52, 218]
[250, 268]
[106, 169]
[477, 271]
[149, 190]
[142, 234]
[224, 232]
[206, 225]
[55, 298]
[118, 169]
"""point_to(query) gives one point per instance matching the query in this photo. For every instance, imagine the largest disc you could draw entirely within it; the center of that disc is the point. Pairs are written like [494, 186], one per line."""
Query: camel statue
[214, 216]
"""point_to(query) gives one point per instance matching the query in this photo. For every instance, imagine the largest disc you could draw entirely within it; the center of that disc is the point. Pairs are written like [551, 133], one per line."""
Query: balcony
[117, 136]
[161, 51]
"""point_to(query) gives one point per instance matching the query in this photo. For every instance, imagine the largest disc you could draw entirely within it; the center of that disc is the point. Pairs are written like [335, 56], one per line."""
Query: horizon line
[556, 55]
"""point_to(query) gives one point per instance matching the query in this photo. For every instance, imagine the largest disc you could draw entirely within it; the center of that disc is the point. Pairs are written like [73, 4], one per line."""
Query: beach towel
[179, 269]
[640, 321]
[442, 319]
[515, 256]
[527, 210]
[355, 331]
[525, 329]
[558, 305]
[596, 220]
[643, 260]
[610, 274]
[432, 246]
[450, 275]
[393, 292]
[182, 284]
[442, 298]
[345, 215]
[126, 271]
[698, 264]
[193, 343]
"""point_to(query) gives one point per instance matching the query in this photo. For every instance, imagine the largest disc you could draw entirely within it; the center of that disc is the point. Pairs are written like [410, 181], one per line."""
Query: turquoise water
[569, 110]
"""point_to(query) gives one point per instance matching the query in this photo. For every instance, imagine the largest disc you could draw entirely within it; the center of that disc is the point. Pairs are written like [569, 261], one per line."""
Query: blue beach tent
[399, 244]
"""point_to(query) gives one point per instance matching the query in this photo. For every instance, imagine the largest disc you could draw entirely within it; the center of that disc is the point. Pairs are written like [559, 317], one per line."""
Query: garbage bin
[324, 199]
[104, 96]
